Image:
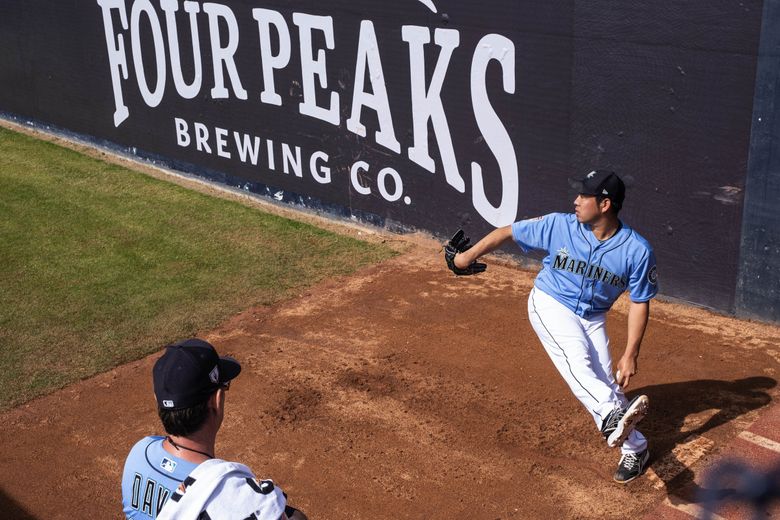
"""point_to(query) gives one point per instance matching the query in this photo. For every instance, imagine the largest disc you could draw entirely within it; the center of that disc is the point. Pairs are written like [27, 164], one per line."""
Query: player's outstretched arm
[638, 314]
[489, 243]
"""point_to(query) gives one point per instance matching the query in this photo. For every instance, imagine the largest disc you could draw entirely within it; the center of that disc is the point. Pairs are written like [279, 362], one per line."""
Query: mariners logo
[652, 276]
[168, 465]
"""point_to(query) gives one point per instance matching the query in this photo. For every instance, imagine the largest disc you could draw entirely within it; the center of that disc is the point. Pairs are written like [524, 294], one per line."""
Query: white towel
[224, 490]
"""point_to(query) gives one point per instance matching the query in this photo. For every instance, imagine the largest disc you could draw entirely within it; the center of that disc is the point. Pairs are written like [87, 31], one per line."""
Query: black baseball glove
[458, 244]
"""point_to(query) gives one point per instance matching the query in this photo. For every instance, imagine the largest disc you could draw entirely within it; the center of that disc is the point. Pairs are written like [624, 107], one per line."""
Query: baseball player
[177, 477]
[592, 257]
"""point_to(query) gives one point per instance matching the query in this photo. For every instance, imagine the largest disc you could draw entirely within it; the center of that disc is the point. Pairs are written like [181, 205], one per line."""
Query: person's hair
[615, 207]
[186, 421]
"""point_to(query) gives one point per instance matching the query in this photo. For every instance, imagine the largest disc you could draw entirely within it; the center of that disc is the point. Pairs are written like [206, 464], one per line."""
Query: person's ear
[605, 205]
[215, 398]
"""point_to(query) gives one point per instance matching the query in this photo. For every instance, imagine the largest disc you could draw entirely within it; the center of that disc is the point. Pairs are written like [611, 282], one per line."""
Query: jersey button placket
[593, 280]
[583, 285]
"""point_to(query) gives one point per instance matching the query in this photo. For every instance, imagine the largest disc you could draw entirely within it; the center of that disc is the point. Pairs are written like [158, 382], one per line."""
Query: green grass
[100, 265]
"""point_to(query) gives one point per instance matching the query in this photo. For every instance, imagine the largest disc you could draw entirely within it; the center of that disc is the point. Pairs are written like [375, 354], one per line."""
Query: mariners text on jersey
[590, 271]
[583, 273]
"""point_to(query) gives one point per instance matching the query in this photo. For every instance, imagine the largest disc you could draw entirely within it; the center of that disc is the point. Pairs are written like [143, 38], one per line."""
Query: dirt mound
[405, 392]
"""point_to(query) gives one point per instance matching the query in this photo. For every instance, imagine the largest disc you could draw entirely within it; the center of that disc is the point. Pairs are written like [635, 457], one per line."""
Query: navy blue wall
[758, 289]
[533, 92]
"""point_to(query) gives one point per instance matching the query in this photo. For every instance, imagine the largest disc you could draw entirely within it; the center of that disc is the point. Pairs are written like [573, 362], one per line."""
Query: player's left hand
[458, 244]
[626, 368]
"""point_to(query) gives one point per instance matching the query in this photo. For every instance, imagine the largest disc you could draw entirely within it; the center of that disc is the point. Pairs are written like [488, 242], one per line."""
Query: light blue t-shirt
[150, 476]
[583, 273]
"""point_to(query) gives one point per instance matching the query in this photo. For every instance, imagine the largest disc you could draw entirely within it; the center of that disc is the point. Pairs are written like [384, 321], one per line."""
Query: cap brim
[229, 369]
[578, 185]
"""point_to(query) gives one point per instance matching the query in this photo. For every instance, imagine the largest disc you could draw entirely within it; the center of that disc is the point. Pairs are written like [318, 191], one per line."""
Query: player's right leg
[618, 426]
[563, 337]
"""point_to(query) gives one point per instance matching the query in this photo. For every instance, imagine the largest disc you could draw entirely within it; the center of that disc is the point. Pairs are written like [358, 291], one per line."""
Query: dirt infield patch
[404, 392]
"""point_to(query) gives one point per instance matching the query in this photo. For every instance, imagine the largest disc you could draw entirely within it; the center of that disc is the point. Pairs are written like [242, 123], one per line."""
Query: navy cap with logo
[189, 372]
[603, 183]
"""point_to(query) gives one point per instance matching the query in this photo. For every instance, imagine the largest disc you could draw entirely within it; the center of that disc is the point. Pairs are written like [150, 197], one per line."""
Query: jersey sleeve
[534, 233]
[237, 494]
[248, 498]
[643, 283]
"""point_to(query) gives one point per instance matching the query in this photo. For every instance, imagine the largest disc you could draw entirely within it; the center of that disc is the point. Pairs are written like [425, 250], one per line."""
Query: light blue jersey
[151, 475]
[583, 273]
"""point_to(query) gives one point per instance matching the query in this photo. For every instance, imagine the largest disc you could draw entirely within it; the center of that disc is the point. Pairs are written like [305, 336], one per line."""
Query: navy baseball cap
[603, 183]
[189, 372]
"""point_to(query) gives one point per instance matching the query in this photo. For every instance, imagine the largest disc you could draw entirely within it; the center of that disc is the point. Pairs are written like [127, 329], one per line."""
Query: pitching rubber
[635, 413]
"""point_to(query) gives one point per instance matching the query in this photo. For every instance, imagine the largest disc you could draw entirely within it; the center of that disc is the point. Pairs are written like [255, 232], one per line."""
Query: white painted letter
[322, 174]
[353, 176]
[219, 135]
[288, 160]
[246, 147]
[311, 67]
[269, 145]
[427, 104]
[500, 48]
[368, 53]
[182, 133]
[117, 61]
[151, 98]
[223, 54]
[201, 138]
[381, 181]
[170, 7]
[265, 19]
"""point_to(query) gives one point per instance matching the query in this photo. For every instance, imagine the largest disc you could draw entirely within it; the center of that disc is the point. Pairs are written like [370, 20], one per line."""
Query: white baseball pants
[579, 349]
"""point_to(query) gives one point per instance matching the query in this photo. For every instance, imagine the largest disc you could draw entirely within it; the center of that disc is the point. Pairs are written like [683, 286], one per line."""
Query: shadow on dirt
[673, 417]
[10, 509]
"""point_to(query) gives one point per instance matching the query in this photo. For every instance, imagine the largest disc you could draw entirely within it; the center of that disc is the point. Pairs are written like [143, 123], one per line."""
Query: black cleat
[619, 424]
[631, 465]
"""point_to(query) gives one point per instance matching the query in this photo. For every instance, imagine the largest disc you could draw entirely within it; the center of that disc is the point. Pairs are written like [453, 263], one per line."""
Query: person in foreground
[592, 258]
[177, 477]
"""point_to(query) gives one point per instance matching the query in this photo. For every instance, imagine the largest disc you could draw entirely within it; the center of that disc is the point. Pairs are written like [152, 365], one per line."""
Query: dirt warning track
[405, 392]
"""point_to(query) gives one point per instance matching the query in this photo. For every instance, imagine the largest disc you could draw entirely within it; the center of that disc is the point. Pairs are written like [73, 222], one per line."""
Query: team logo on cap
[167, 403]
[214, 374]
[591, 174]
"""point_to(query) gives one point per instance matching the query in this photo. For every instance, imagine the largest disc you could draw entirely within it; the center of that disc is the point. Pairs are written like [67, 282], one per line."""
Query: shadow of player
[10, 509]
[673, 409]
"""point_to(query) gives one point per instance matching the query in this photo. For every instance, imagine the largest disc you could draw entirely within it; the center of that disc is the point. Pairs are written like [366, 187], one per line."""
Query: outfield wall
[439, 114]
